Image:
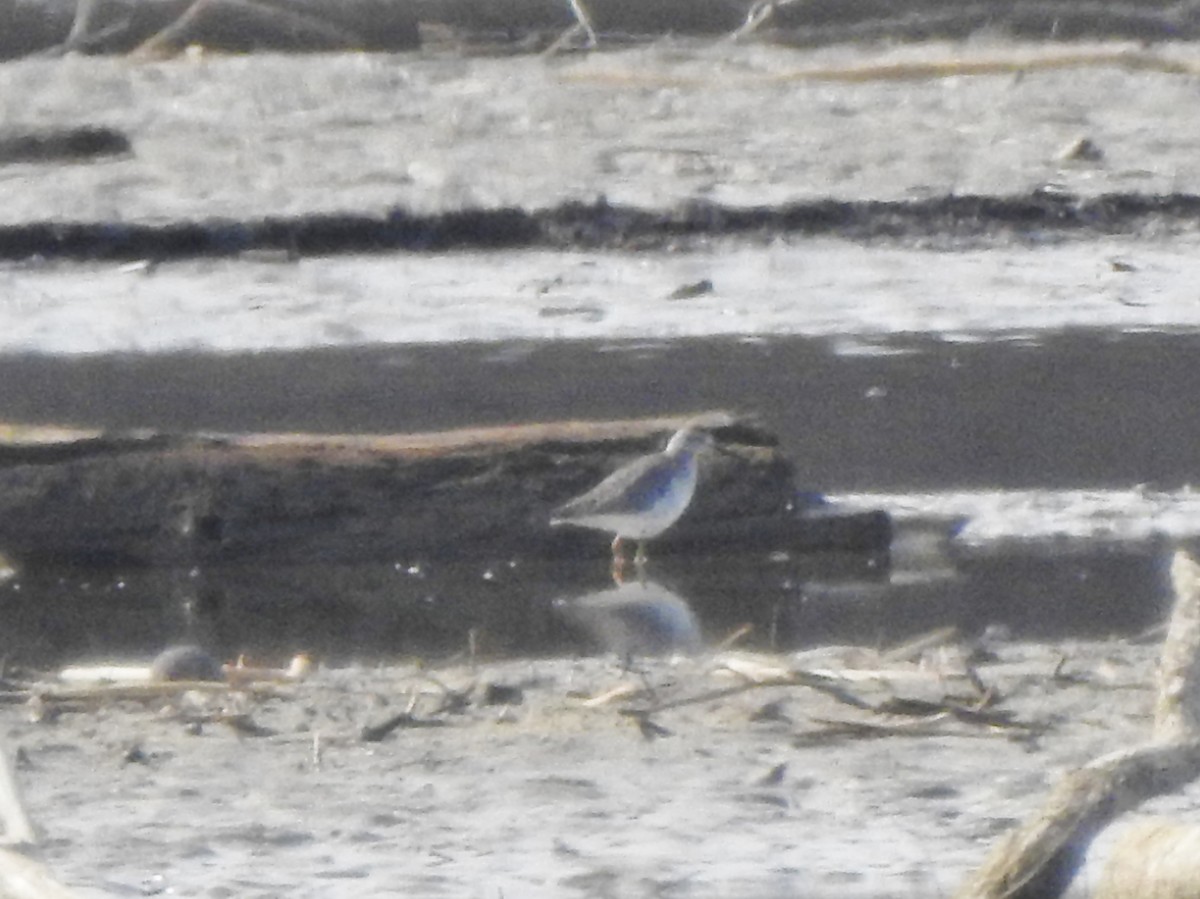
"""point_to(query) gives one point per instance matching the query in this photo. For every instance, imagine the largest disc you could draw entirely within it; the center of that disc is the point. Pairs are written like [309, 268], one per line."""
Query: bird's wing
[628, 489]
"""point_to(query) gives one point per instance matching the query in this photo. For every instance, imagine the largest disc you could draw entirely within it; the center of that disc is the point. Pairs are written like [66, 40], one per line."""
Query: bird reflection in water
[641, 618]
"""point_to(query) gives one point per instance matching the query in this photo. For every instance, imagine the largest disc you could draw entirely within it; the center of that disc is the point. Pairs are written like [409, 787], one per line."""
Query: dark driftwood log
[18, 145]
[1041, 858]
[292, 499]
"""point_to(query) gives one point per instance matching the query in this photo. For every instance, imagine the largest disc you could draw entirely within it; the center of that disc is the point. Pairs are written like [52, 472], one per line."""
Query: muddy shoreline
[766, 794]
[932, 350]
[248, 139]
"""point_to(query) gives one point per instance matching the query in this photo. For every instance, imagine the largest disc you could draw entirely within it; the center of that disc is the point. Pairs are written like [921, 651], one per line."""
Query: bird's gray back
[629, 489]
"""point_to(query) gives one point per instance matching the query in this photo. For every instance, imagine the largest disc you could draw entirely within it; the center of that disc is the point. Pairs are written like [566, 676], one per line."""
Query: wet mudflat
[772, 792]
[848, 293]
[247, 137]
[1036, 379]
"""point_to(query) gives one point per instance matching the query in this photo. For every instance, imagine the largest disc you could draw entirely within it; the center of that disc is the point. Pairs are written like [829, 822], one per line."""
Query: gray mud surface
[249, 137]
[969, 308]
[674, 190]
[768, 793]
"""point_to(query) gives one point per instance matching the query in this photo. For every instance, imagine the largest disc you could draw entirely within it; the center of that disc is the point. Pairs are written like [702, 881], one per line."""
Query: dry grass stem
[1128, 58]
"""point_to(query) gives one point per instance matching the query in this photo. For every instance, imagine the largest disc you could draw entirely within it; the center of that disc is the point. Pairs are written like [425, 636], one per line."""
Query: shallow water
[931, 384]
[1038, 484]
[1077, 409]
[1041, 587]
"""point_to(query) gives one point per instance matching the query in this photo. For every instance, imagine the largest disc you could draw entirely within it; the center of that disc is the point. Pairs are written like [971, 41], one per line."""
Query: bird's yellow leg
[618, 571]
[618, 561]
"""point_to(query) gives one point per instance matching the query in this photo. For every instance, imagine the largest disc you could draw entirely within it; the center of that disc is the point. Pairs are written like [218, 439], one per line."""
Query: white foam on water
[1129, 515]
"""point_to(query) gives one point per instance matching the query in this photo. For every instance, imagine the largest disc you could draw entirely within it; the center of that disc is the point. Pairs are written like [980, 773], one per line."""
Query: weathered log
[1151, 858]
[1177, 706]
[163, 500]
[1042, 857]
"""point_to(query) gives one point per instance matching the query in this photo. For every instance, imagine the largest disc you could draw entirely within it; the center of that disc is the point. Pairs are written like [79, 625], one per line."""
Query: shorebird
[642, 498]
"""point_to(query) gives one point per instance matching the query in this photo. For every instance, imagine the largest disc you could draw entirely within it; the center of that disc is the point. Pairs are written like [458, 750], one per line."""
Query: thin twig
[585, 22]
[913, 70]
[18, 828]
[294, 21]
[796, 679]
[160, 42]
[284, 20]
[910, 650]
